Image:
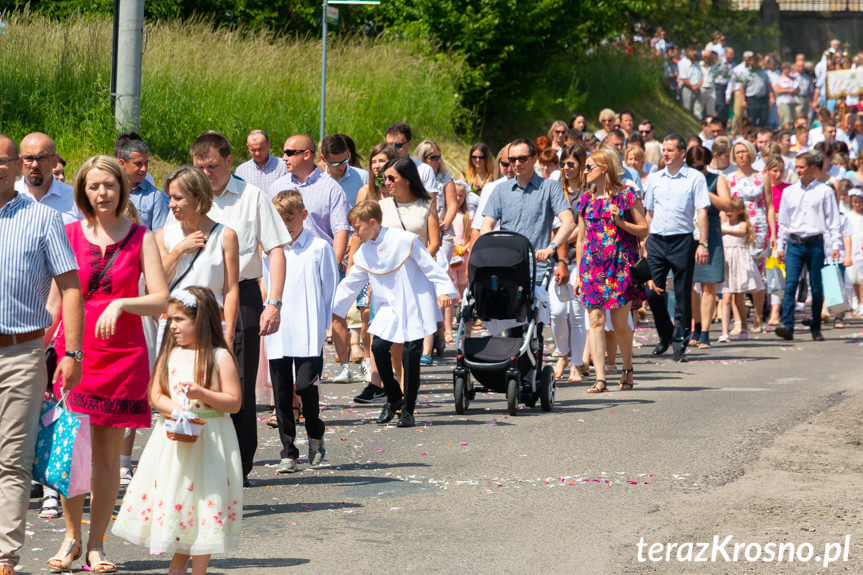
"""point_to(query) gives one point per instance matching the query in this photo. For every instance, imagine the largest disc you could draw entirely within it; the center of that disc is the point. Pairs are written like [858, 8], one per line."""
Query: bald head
[299, 156]
[40, 157]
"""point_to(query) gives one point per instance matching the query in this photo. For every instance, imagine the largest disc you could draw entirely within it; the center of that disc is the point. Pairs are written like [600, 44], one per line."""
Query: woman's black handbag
[639, 272]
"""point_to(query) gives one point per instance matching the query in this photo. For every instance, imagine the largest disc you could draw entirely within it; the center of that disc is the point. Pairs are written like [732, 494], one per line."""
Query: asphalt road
[570, 491]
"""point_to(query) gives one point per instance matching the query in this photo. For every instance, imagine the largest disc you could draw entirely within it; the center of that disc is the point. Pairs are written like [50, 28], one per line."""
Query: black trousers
[305, 373]
[675, 253]
[721, 106]
[247, 348]
[411, 365]
[758, 110]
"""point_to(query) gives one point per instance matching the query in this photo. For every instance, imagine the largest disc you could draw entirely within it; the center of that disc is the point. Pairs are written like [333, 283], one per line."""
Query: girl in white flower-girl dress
[187, 497]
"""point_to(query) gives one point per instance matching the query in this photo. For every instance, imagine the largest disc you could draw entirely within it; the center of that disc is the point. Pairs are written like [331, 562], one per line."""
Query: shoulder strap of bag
[398, 213]
[182, 276]
[95, 285]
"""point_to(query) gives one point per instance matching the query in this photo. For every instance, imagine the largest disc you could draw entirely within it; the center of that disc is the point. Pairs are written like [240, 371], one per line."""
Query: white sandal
[50, 507]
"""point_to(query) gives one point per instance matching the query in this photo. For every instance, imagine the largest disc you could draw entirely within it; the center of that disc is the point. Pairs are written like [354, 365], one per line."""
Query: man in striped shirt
[264, 168]
[35, 252]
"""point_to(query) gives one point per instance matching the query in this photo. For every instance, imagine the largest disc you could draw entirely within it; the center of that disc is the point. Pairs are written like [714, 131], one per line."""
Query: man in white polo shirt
[38, 182]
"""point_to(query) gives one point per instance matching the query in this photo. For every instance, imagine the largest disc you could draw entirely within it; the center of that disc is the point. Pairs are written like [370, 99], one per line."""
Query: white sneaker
[125, 476]
[344, 375]
[366, 369]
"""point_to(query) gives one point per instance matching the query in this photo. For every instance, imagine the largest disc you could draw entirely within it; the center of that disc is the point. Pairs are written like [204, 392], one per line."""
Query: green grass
[55, 78]
[588, 84]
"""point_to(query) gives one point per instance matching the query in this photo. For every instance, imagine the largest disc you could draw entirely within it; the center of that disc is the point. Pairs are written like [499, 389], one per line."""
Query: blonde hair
[739, 208]
[289, 203]
[365, 211]
[750, 150]
[606, 113]
[609, 159]
[131, 213]
[194, 182]
[106, 164]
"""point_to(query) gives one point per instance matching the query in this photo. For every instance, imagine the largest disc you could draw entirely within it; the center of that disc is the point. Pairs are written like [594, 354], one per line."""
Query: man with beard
[38, 182]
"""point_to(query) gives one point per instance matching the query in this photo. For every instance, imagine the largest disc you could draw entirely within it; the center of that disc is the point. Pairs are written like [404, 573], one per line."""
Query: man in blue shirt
[151, 203]
[674, 198]
[35, 252]
[335, 159]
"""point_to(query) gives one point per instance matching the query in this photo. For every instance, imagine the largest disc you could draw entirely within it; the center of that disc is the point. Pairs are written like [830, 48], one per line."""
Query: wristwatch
[77, 355]
[553, 246]
[703, 244]
[275, 303]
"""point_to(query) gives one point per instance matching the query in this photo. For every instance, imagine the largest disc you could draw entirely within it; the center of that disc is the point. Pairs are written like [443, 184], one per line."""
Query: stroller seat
[491, 349]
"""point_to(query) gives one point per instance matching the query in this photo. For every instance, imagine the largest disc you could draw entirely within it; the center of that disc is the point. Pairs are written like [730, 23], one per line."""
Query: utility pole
[128, 44]
[326, 5]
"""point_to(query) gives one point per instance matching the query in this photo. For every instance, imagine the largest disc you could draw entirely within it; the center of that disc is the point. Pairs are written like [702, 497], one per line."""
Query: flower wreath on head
[185, 297]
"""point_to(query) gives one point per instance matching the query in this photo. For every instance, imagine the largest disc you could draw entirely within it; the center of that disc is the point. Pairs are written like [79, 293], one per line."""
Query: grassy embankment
[54, 77]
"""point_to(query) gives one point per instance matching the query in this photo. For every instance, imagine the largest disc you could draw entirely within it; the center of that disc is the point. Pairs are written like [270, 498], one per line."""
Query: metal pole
[323, 72]
[130, 39]
[115, 33]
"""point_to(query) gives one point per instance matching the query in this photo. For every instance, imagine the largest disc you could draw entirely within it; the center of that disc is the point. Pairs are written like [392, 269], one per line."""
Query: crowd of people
[179, 300]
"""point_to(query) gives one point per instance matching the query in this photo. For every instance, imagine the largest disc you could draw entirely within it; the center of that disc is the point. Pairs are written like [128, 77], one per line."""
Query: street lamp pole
[326, 5]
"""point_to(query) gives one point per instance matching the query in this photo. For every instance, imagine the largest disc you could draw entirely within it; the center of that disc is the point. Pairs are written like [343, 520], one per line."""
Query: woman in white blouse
[195, 250]
[409, 207]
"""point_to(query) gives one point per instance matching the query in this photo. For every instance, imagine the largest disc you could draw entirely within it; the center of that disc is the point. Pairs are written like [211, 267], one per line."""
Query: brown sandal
[597, 387]
[625, 374]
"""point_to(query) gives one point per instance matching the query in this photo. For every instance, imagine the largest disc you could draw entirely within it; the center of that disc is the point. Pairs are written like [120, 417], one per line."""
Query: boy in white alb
[409, 291]
[295, 351]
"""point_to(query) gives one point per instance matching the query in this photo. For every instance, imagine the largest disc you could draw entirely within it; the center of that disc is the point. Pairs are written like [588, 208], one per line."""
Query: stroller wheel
[460, 394]
[512, 396]
[546, 388]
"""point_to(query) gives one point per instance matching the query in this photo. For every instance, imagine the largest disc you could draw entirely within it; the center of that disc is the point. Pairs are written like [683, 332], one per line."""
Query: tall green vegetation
[55, 77]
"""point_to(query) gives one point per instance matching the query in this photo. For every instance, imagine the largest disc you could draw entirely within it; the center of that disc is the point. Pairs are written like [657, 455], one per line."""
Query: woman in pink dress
[112, 253]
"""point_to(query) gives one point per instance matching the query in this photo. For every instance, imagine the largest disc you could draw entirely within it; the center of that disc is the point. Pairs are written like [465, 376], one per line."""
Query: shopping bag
[63, 450]
[834, 290]
[774, 274]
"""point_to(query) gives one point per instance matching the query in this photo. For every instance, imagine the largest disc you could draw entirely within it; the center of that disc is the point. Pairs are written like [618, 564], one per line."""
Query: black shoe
[389, 412]
[680, 356]
[661, 347]
[784, 332]
[371, 394]
[806, 322]
[247, 482]
[36, 490]
[816, 335]
[405, 419]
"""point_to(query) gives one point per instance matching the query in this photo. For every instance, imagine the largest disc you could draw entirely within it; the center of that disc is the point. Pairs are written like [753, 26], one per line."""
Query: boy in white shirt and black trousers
[409, 290]
[295, 351]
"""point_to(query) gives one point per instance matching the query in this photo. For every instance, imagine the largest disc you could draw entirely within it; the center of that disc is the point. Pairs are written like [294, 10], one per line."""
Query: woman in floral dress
[754, 189]
[610, 221]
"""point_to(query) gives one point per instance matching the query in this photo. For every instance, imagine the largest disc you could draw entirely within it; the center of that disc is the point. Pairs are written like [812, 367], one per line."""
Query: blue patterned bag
[63, 450]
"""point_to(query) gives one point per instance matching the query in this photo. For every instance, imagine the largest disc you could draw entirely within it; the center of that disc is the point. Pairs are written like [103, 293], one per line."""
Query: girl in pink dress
[112, 253]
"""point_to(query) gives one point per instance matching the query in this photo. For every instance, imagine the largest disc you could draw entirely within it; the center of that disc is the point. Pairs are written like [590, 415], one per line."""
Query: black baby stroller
[501, 287]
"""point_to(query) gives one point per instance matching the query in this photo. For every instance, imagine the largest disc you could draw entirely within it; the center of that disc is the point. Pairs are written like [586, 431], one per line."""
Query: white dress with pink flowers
[186, 497]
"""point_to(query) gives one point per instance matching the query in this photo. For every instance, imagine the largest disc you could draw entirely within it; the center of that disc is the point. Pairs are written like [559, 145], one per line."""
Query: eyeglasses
[390, 179]
[399, 145]
[590, 167]
[7, 161]
[521, 159]
[34, 159]
[644, 131]
[434, 157]
[337, 164]
[504, 164]
[570, 165]
[560, 131]
[287, 152]
[477, 157]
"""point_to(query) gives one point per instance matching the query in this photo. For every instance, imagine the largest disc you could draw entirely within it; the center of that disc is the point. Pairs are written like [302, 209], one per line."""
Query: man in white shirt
[38, 182]
[400, 136]
[263, 168]
[808, 220]
[691, 80]
[708, 68]
[247, 210]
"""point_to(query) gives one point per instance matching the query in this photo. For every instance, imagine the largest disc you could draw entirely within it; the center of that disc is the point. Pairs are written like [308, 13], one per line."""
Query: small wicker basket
[197, 423]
